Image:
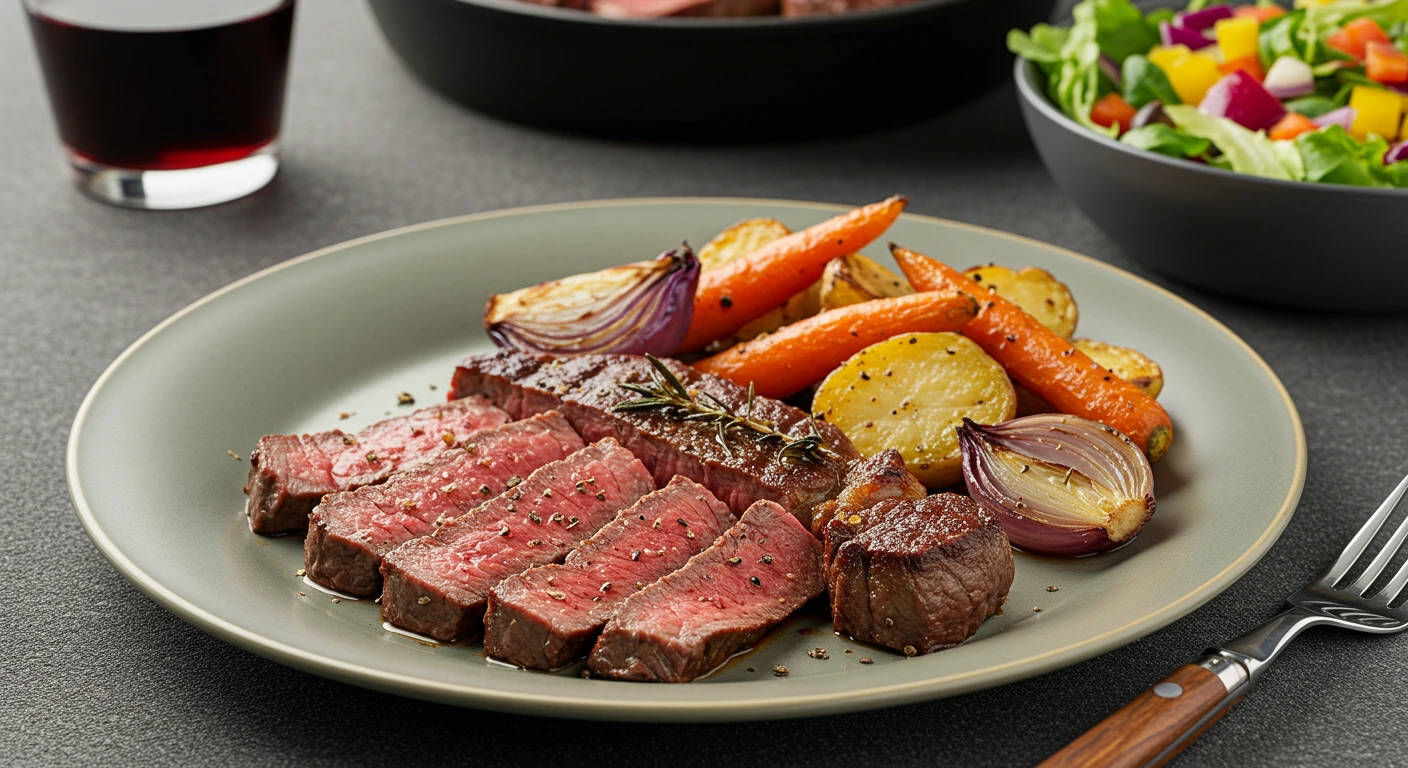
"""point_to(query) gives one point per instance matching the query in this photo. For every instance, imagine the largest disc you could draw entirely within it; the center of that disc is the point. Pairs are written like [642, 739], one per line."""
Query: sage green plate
[347, 328]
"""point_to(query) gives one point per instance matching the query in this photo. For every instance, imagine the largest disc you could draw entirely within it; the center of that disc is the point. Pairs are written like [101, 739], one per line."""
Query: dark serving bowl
[756, 79]
[1314, 246]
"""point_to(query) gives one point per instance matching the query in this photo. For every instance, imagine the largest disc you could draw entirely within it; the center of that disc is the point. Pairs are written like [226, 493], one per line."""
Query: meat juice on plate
[164, 85]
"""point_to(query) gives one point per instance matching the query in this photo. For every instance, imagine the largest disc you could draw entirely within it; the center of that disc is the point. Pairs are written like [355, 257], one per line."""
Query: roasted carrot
[801, 354]
[732, 295]
[1045, 363]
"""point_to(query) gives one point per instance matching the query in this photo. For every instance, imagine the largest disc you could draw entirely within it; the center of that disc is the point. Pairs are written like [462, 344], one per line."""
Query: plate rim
[578, 707]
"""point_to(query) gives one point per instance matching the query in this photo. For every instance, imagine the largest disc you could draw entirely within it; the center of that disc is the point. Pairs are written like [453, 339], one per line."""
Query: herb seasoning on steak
[349, 532]
[547, 617]
[587, 388]
[917, 575]
[290, 474]
[439, 585]
[726, 597]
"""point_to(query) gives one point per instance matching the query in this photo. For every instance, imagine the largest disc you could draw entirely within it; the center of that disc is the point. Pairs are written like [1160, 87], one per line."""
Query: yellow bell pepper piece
[1166, 58]
[1237, 37]
[1192, 76]
[1375, 111]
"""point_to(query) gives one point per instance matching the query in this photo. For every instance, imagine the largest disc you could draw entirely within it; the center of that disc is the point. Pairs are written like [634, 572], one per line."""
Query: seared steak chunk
[585, 388]
[290, 474]
[688, 623]
[439, 585]
[547, 617]
[917, 576]
[351, 531]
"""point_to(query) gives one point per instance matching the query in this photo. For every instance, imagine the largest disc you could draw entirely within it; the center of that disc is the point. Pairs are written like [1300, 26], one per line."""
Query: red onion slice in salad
[1289, 77]
[1170, 35]
[1061, 485]
[640, 308]
[1343, 117]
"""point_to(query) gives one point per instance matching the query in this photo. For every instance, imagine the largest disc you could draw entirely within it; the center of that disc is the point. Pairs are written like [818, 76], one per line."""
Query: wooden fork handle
[1158, 724]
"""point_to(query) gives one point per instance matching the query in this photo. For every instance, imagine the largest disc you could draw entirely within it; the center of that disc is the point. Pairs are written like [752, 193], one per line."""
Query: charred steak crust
[586, 387]
[548, 617]
[689, 622]
[439, 585]
[917, 576]
[290, 474]
[351, 531]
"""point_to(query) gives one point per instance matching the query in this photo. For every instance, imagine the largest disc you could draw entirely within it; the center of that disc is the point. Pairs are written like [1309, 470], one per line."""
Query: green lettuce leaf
[1160, 138]
[1145, 82]
[1249, 152]
[1311, 106]
[1332, 156]
[1120, 27]
[1043, 45]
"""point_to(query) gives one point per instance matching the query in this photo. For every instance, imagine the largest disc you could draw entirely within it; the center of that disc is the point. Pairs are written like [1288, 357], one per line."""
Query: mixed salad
[1314, 93]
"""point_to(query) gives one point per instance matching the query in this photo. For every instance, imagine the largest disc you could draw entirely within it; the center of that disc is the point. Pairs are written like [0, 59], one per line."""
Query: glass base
[170, 190]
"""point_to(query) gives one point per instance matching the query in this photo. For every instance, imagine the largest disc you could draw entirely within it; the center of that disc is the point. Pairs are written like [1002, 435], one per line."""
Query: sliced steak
[724, 598]
[547, 617]
[828, 7]
[698, 8]
[917, 576]
[586, 387]
[439, 585]
[351, 531]
[290, 474]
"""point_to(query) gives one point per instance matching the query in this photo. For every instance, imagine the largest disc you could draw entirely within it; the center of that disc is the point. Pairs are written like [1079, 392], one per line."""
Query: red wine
[164, 84]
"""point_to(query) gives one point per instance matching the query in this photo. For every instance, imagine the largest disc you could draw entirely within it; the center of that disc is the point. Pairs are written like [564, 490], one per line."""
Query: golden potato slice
[910, 393]
[1132, 366]
[856, 278]
[1036, 291]
[740, 240]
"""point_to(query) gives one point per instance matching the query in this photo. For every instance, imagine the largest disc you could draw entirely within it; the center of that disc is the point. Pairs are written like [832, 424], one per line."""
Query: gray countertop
[94, 672]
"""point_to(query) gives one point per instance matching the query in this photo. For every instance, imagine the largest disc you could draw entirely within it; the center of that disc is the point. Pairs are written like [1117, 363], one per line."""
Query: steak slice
[648, 9]
[350, 531]
[547, 617]
[439, 585]
[917, 576]
[828, 7]
[586, 387]
[724, 598]
[290, 474]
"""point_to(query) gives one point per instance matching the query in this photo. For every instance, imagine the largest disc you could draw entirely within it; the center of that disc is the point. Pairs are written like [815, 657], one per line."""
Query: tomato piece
[1249, 64]
[1354, 37]
[1262, 13]
[1384, 63]
[1110, 110]
[1291, 126]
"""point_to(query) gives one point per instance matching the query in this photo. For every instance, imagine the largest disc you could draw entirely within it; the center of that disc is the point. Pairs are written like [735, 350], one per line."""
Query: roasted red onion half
[640, 308]
[1060, 484]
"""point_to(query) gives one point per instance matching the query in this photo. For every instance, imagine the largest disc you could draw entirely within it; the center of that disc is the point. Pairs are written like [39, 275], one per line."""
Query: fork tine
[1395, 585]
[1356, 545]
[1371, 574]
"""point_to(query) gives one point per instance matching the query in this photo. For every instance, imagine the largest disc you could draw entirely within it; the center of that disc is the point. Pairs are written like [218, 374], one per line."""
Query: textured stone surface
[92, 671]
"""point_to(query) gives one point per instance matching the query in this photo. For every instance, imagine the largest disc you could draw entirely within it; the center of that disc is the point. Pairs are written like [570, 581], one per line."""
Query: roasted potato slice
[910, 393]
[740, 240]
[1128, 364]
[856, 278]
[1036, 291]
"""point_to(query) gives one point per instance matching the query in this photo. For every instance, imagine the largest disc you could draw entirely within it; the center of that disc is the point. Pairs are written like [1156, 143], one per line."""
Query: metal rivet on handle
[1168, 690]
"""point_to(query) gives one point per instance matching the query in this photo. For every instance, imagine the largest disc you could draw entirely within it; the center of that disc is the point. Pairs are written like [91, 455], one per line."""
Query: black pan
[753, 79]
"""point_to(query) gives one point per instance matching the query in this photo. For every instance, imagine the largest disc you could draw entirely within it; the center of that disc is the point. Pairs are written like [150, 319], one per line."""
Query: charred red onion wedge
[640, 308]
[1060, 484]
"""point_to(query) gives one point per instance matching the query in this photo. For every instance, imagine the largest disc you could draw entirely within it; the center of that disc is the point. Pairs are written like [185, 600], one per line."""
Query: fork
[1163, 720]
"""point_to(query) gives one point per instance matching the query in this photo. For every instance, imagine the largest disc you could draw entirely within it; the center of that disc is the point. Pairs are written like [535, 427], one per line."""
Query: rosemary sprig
[665, 390]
